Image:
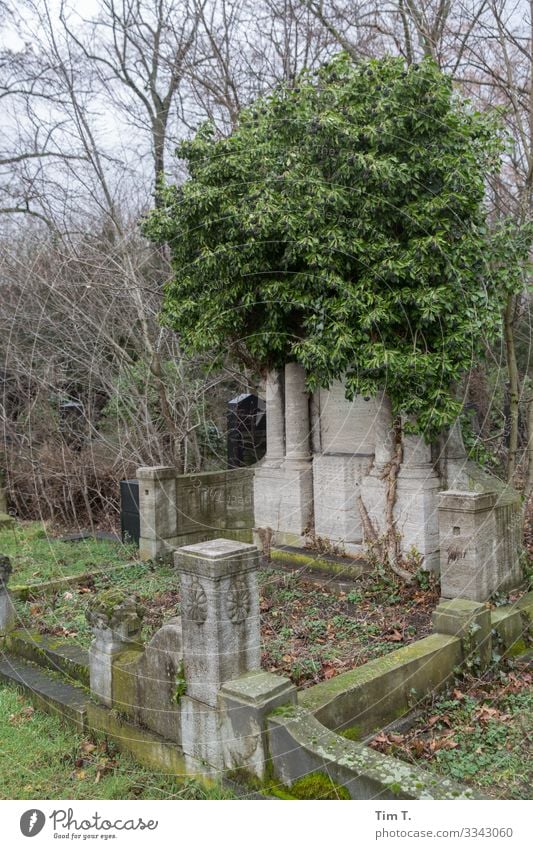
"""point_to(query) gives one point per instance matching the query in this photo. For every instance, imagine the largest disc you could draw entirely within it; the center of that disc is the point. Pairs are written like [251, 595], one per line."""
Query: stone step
[59, 655]
[45, 691]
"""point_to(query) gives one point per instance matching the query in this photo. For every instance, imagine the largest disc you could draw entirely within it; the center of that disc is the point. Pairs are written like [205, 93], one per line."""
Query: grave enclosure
[194, 699]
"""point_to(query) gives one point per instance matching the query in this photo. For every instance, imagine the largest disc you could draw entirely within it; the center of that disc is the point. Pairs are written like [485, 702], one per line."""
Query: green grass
[42, 758]
[37, 557]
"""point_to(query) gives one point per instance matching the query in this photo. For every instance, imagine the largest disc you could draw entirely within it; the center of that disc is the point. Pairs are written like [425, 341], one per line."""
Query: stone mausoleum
[324, 453]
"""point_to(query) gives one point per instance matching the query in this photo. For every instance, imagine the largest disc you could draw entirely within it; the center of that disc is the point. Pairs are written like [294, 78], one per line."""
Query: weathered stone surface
[244, 704]
[7, 611]
[148, 685]
[59, 655]
[509, 630]
[300, 745]
[275, 419]
[479, 543]
[157, 509]
[336, 484]
[49, 694]
[116, 621]
[470, 621]
[346, 427]
[220, 614]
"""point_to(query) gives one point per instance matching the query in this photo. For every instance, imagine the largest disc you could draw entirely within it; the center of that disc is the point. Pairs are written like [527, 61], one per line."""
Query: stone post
[275, 436]
[416, 510]
[7, 611]
[471, 622]
[467, 531]
[116, 621]
[222, 649]
[158, 512]
[297, 430]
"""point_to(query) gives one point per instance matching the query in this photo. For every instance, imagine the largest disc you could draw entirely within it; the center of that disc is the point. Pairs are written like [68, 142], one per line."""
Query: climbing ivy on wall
[343, 225]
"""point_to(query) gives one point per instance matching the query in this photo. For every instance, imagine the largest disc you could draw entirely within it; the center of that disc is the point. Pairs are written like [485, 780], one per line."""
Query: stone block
[157, 509]
[283, 500]
[336, 482]
[508, 629]
[470, 621]
[220, 614]
[245, 704]
[346, 427]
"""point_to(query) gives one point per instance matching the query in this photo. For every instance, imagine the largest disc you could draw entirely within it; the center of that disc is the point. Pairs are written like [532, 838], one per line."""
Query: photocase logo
[32, 822]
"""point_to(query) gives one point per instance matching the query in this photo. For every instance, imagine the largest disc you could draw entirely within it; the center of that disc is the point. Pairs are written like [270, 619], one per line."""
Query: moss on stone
[352, 733]
[318, 785]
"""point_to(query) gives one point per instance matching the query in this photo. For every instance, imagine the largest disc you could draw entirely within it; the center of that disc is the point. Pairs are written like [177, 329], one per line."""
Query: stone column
[468, 545]
[416, 501]
[227, 695]
[219, 614]
[383, 430]
[7, 611]
[275, 436]
[116, 621]
[158, 511]
[297, 430]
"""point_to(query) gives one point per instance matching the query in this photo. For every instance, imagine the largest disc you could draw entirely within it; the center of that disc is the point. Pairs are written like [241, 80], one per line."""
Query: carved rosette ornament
[195, 607]
[238, 600]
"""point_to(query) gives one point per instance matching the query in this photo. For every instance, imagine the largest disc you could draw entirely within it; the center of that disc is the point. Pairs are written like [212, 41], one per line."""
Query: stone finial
[116, 616]
[5, 571]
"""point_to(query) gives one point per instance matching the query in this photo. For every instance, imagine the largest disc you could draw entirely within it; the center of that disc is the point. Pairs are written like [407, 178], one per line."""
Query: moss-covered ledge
[366, 698]
[300, 745]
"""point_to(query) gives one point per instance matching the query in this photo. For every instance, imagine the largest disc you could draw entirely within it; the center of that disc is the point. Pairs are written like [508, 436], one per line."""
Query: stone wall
[180, 509]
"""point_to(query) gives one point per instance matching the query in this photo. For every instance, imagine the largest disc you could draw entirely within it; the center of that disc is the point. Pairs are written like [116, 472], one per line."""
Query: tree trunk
[514, 385]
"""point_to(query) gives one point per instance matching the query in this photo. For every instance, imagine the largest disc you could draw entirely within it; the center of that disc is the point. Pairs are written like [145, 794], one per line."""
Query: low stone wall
[178, 510]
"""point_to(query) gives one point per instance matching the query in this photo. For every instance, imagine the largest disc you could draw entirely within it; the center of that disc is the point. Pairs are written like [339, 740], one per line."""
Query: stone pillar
[384, 433]
[219, 614]
[455, 459]
[7, 611]
[297, 429]
[275, 424]
[227, 695]
[468, 544]
[116, 621]
[158, 512]
[416, 509]
[471, 622]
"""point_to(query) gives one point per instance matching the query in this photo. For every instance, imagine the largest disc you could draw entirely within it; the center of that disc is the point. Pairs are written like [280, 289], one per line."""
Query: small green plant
[317, 785]
[181, 684]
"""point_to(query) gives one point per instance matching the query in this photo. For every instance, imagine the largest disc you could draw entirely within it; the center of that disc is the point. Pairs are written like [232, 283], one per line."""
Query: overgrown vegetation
[479, 734]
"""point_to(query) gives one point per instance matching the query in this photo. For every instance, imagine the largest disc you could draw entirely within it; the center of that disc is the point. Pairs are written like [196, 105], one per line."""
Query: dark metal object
[246, 430]
[130, 522]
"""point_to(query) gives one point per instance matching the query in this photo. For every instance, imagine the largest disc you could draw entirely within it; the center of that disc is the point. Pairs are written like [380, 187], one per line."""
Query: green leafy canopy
[343, 225]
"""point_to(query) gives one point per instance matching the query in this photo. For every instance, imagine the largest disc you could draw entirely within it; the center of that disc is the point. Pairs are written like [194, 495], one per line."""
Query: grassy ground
[480, 734]
[41, 758]
[36, 557]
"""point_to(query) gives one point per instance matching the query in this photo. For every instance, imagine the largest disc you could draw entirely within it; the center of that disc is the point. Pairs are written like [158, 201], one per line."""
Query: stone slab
[50, 694]
[49, 652]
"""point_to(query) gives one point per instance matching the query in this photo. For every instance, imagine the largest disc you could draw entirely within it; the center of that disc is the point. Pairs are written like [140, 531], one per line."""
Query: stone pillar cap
[466, 500]
[156, 473]
[217, 558]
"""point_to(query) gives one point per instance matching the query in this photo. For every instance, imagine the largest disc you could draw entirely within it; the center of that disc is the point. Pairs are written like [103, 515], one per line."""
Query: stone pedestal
[245, 704]
[7, 611]
[116, 622]
[468, 545]
[221, 635]
[275, 420]
[471, 622]
[417, 502]
[158, 512]
[336, 484]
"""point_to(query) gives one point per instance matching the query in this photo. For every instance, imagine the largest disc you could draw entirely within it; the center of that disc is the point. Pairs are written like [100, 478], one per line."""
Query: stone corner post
[7, 611]
[158, 512]
[467, 532]
[116, 621]
[222, 656]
